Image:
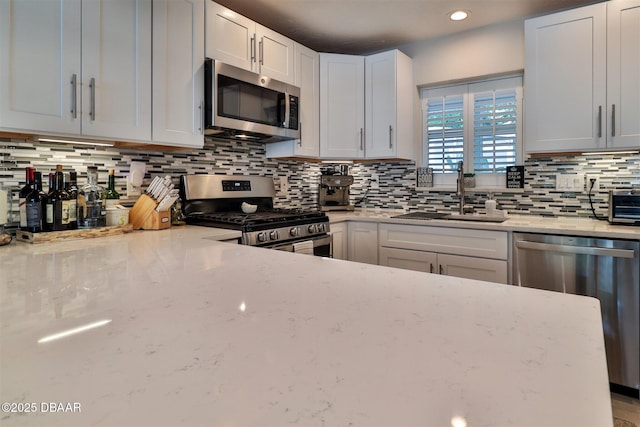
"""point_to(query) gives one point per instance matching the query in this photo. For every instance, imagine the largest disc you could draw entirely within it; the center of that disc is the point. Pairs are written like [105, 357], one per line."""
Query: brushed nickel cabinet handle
[262, 51]
[300, 139]
[74, 96]
[430, 267]
[92, 110]
[599, 121]
[361, 139]
[253, 48]
[201, 117]
[390, 136]
[441, 269]
[613, 119]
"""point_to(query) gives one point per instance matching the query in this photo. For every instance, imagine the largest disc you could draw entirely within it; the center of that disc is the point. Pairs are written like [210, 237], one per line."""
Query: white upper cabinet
[341, 106]
[76, 68]
[366, 106]
[178, 72]
[241, 42]
[307, 79]
[582, 76]
[388, 98]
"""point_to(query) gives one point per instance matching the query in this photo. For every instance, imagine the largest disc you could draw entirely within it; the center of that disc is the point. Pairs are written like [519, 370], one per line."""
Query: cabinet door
[116, 69]
[178, 72]
[307, 75]
[490, 270]
[623, 73]
[341, 106]
[275, 55]
[39, 64]
[339, 233]
[380, 105]
[565, 79]
[409, 260]
[230, 37]
[363, 242]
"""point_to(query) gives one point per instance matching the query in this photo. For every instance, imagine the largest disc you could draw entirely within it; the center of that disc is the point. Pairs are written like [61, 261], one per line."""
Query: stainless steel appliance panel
[605, 269]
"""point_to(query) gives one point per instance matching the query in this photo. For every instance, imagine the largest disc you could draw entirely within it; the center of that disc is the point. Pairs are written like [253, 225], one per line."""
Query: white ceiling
[365, 26]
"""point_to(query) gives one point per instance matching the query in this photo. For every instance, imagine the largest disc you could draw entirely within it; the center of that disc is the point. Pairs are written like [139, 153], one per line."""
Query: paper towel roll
[305, 247]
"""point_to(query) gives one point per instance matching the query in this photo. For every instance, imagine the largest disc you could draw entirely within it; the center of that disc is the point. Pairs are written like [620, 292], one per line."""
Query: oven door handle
[317, 241]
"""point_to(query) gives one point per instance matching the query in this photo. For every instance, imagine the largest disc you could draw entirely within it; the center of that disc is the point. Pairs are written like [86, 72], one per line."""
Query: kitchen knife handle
[262, 51]
[613, 119]
[599, 121]
[74, 96]
[92, 108]
[390, 136]
[253, 48]
[361, 139]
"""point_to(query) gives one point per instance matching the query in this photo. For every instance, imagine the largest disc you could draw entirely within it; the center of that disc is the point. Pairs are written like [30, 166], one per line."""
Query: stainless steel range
[226, 201]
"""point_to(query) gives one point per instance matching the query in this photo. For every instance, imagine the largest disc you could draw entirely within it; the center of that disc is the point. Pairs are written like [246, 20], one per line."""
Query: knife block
[143, 215]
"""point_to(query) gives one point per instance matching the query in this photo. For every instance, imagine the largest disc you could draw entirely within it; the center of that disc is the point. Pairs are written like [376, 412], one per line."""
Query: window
[479, 123]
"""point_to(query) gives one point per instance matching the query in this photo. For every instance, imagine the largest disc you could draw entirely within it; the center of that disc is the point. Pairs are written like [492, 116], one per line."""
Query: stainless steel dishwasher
[606, 269]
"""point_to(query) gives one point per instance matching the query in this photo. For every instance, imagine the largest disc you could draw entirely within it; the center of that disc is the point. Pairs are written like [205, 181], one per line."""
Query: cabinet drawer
[456, 241]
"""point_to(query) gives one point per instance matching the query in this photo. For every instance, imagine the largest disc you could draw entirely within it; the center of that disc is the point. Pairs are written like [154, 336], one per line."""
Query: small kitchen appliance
[218, 201]
[624, 207]
[333, 191]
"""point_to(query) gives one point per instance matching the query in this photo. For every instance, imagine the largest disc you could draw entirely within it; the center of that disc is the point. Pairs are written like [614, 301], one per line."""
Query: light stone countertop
[203, 333]
[521, 223]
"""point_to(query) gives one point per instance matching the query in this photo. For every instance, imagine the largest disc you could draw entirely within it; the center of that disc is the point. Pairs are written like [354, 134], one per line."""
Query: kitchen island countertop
[188, 331]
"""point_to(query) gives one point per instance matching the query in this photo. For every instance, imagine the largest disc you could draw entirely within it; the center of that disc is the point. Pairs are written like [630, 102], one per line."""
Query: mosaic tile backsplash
[395, 180]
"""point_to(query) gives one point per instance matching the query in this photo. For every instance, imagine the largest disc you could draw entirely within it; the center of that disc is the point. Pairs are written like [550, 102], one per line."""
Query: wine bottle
[58, 204]
[111, 195]
[22, 197]
[35, 205]
[71, 187]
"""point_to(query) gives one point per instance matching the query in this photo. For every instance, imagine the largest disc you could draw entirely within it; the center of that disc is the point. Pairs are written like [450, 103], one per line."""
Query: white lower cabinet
[467, 253]
[362, 242]
[339, 233]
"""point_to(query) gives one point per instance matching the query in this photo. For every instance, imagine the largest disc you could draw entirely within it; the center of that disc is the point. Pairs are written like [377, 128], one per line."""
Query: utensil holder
[143, 215]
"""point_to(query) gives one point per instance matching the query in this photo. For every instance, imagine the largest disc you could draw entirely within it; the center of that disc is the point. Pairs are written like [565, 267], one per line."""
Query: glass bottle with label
[91, 212]
[71, 187]
[36, 205]
[22, 197]
[57, 213]
[111, 195]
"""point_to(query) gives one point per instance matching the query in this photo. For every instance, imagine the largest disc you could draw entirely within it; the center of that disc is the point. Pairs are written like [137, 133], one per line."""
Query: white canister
[117, 216]
[490, 206]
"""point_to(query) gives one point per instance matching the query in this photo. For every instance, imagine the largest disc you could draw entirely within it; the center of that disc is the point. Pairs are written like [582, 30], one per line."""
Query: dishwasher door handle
[582, 250]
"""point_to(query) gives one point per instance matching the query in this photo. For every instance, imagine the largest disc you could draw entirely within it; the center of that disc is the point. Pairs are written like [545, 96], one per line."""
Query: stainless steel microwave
[245, 105]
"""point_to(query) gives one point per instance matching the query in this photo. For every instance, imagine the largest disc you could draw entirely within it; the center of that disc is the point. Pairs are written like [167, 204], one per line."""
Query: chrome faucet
[460, 190]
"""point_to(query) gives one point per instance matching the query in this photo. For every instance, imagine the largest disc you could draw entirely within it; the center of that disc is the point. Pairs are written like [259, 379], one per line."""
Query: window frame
[468, 89]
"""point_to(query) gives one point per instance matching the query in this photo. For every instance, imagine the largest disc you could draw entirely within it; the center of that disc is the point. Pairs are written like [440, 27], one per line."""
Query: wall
[396, 180]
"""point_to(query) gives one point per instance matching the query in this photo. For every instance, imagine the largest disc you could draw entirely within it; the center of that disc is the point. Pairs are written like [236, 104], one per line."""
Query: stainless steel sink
[477, 217]
[422, 215]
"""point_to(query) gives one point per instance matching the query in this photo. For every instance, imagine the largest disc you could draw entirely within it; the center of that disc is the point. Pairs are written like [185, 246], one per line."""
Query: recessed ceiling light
[458, 15]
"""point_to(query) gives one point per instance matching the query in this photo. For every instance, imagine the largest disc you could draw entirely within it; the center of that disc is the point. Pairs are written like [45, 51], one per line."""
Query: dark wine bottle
[22, 197]
[57, 204]
[35, 205]
[71, 187]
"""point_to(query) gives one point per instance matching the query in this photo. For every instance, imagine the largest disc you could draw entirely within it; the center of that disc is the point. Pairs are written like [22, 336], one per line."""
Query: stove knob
[312, 228]
[262, 237]
[293, 232]
[274, 235]
[321, 228]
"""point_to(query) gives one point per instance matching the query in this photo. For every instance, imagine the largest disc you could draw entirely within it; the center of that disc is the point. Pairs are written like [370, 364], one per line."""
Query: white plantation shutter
[445, 132]
[479, 123]
[494, 130]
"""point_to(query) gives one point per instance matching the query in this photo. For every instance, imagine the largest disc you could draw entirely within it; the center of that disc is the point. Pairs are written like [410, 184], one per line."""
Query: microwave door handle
[287, 111]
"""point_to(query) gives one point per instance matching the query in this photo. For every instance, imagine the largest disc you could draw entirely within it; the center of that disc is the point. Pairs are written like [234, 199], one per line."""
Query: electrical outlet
[284, 184]
[596, 185]
[570, 182]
